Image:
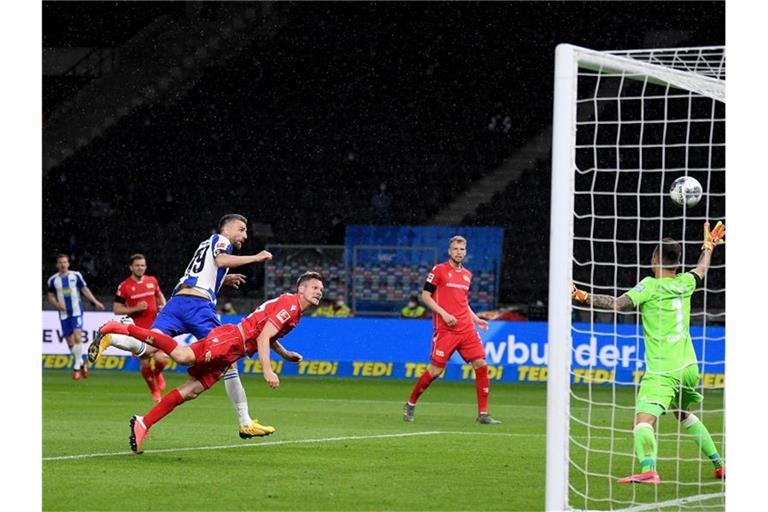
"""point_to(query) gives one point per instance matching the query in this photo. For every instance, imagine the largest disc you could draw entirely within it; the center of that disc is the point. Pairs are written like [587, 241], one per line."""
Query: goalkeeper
[672, 371]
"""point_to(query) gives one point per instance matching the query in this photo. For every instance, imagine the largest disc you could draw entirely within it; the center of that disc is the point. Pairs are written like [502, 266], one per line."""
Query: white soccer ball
[686, 192]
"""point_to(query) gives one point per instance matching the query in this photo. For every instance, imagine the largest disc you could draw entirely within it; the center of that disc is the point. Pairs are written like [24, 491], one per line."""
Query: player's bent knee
[479, 363]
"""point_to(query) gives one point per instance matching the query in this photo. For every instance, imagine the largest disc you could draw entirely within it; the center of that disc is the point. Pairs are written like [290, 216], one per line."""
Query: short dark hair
[306, 276]
[61, 255]
[226, 219]
[668, 252]
[137, 256]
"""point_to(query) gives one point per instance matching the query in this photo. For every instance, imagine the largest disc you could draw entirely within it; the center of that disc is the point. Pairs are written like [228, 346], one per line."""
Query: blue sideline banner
[399, 349]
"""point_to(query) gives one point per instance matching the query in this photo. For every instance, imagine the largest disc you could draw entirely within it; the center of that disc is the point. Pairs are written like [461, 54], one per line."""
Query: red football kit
[450, 289]
[130, 292]
[226, 344]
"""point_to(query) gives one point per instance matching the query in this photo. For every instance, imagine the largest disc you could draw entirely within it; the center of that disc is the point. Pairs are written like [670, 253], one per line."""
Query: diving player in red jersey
[210, 357]
[139, 296]
[446, 293]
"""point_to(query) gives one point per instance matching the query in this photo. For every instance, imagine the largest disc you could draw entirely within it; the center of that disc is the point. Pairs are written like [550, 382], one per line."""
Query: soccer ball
[686, 192]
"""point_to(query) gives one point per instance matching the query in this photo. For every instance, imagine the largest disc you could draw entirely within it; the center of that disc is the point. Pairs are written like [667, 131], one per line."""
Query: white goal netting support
[626, 125]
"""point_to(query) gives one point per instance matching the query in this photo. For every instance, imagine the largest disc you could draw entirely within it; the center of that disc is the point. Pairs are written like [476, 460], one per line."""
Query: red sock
[164, 407]
[154, 338]
[149, 377]
[482, 386]
[421, 385]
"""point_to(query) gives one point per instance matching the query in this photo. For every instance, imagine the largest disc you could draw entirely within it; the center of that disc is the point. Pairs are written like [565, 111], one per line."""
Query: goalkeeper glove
[578, 295]
[714, 237]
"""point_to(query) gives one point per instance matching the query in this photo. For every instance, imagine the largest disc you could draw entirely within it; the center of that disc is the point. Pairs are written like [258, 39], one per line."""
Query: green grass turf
[196, 461]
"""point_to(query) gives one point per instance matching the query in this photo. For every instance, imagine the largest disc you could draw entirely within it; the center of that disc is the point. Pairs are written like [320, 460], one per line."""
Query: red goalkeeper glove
[578, 295]
[714, 237]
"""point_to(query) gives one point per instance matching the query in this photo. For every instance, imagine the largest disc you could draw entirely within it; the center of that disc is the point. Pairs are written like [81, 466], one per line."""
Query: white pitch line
[267, 443]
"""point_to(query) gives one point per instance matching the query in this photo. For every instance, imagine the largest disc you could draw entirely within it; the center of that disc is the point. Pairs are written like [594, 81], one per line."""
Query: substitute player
[139, 296]
[446, 293]
[64, 289]
[192, 307]
[672, 372]
[210, 357]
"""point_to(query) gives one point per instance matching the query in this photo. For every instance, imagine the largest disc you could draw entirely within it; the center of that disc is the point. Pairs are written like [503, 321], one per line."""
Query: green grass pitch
[340, 444]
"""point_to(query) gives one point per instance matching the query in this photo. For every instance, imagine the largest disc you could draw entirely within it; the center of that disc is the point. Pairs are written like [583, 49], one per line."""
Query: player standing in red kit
[446, 293]
[210, 357]
[139, 296]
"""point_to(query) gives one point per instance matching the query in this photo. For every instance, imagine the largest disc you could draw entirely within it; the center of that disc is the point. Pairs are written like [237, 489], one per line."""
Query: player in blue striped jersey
[192, 306]
[64, 292]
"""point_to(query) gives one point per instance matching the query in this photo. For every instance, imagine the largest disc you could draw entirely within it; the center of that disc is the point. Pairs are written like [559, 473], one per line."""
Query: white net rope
[638, 130]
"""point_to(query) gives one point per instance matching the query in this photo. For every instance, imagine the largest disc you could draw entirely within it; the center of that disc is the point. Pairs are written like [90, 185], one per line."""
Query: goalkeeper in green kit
[672, 371]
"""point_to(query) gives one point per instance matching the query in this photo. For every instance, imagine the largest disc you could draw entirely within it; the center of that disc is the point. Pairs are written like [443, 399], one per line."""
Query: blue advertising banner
[394, 348]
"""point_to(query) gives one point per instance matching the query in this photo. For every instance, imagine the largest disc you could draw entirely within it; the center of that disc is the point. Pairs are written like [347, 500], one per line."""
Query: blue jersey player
[64, 292]
[192, 307]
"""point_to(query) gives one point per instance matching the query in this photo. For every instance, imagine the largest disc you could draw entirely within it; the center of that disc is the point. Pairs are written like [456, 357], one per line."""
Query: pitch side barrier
[399, 349]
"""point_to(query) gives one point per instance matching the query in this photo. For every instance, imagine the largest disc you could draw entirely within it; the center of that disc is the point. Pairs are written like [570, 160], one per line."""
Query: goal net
[626, 125]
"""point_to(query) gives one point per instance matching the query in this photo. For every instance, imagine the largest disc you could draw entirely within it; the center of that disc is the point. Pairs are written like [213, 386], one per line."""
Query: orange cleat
[138, 433]
[84, 371]
[76, 375]
[649, 477]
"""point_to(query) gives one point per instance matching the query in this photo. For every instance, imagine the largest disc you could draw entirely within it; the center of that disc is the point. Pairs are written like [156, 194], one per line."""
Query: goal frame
[568, 60]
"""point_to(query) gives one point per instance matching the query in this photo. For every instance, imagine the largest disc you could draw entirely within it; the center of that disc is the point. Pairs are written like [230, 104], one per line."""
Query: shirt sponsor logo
[456, 285]
[283, 316]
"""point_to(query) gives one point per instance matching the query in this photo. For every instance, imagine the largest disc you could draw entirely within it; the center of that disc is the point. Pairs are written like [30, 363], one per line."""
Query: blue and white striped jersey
[67, 290]
[202, 272]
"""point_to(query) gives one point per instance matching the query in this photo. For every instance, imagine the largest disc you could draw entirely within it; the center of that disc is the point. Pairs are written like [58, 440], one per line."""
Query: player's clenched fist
[714, 237]
[578, 295]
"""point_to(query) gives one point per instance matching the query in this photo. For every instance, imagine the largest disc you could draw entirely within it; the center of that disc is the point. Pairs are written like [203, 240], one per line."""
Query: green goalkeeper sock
[645, 446]
[703, 439]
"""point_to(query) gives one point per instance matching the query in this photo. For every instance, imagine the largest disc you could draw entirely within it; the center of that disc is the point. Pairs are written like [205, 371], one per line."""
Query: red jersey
[130, 292]
[283, 312]
[450, 289]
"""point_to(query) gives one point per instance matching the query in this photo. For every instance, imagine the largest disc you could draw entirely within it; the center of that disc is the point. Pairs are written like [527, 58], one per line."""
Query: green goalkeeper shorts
[659, 392]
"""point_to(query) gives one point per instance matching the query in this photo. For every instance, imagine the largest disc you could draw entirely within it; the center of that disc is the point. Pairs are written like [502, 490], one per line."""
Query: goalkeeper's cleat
[99, 345]
[138, 433]
[408, 411]
[649, 477]
[76, 375]
[84, 370]
[720, 473]
[487, 419]
[255, 430]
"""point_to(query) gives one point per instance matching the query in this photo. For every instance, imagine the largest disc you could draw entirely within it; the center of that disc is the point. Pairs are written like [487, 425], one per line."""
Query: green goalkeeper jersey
[665, 304]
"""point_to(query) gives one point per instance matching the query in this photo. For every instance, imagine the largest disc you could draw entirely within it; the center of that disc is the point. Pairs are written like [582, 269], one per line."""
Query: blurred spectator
[325, 309]
[381, 203]
[227, 309]
[340, 309]
[413, 309]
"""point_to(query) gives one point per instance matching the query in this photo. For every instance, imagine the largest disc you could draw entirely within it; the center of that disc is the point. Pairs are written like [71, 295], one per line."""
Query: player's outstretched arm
[263, 343]
[711, 240]
[225, 260]
[288, 355]
[621, 303]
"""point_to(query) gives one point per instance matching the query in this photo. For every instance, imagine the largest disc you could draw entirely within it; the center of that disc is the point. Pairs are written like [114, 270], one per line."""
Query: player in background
[139, 296]
[446, 293]
[192, 307]
[209, 358]
[672, 371]
[64, 289]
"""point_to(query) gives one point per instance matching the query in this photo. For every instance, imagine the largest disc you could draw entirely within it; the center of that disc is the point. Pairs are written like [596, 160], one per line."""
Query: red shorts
[215, 353]
[446, 342]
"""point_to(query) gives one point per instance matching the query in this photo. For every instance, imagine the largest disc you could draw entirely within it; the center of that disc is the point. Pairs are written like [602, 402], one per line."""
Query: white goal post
[625, 124]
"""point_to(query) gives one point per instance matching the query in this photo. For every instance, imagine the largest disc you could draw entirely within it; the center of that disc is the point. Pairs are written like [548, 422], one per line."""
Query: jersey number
[198, 260]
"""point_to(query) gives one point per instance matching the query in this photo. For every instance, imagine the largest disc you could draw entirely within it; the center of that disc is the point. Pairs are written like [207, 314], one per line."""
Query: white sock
[236, 395]
[77, 351]
[128, 344]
